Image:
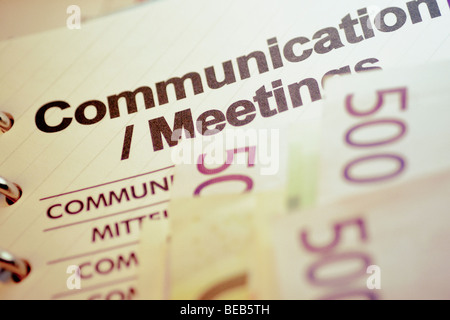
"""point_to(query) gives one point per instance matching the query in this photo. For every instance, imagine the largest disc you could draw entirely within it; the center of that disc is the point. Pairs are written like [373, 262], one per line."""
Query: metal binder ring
[11, 191]
[19, 268]
[6, 121]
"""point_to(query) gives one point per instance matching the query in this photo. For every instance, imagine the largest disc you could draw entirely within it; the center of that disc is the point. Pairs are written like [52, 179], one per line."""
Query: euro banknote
[203, 251]
[366, 142]
[376, 130]
[387, 244]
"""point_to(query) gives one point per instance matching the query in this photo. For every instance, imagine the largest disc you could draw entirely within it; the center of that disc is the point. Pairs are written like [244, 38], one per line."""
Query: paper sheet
[140, 47]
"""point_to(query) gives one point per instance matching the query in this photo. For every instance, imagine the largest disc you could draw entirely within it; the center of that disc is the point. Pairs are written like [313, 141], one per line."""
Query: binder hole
[6, 121]
[19, 277]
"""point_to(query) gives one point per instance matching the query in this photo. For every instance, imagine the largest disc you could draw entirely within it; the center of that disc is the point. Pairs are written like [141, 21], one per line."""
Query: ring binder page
[94, 109]
[10, 192]
[54, 14]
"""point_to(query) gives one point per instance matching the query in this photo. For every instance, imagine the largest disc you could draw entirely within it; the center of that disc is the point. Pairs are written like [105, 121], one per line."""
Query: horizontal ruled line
[104, 217]
[86, 254]
[98, 286]
[106, 183]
